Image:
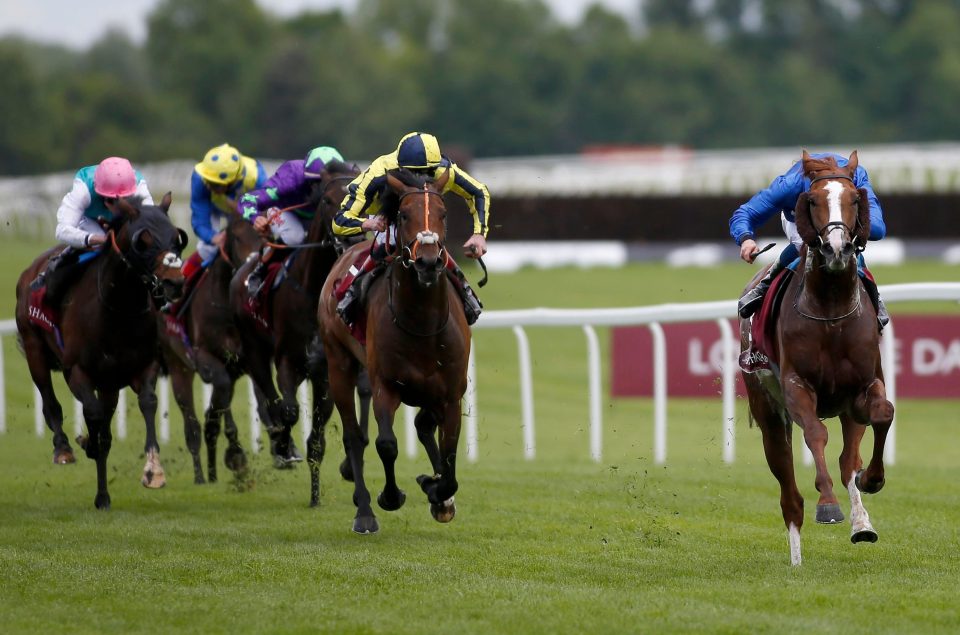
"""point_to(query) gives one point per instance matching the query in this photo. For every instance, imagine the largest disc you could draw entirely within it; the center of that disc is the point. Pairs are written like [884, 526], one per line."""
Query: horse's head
[240, 241]
[151, 245]
[833, 217]
[326, 194]
[421, 221]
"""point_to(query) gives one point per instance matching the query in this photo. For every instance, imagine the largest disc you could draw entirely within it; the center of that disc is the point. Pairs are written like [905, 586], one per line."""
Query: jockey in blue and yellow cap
[216, 185]
[361, 211]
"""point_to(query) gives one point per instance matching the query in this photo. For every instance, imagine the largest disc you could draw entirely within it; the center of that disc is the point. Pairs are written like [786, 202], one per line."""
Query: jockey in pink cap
[90, 202]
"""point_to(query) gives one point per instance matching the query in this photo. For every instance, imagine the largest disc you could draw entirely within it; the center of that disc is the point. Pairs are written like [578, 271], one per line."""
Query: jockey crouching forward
[361, 211]
[285, 204]
[216, 185]
[90, 202]
[781, 196]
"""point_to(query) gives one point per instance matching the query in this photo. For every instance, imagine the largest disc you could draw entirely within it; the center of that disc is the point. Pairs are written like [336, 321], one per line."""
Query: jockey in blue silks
[781, 197]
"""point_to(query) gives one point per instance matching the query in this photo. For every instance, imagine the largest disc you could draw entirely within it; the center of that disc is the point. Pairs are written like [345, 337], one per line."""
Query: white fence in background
[587, 319]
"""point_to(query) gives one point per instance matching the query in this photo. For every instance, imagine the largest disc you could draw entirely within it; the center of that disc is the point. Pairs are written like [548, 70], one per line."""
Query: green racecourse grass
[554, 545]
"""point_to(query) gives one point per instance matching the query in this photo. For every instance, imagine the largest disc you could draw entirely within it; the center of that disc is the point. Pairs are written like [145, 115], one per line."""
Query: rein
[396, 317]
[150, 279]
[817, 318]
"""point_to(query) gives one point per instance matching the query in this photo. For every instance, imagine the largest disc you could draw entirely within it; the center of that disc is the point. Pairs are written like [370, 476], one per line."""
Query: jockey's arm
[477, 197]
[362, 200]
[201, 210]
[878, 228]
[143, 192]
[70, 213]
[780, 195]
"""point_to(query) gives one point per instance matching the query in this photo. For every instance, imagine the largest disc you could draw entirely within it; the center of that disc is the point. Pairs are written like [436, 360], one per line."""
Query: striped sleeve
[475, 194]
[363, 199]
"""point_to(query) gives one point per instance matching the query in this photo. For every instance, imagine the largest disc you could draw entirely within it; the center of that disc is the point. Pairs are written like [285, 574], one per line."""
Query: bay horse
[214, 352]
[827, 343]
[417, 346]
[107, 333]
[291, 343]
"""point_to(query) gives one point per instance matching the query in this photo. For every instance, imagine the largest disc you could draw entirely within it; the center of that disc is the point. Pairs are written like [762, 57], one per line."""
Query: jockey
[92, 200]
[781, 196]
[216, 185]
[284, 204]
[361, 211]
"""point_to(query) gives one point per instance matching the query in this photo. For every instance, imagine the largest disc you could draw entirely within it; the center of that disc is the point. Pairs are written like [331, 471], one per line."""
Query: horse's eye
[402, 217]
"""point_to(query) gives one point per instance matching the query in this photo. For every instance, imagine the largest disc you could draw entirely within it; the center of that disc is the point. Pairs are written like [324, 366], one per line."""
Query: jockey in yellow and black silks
[360, 212]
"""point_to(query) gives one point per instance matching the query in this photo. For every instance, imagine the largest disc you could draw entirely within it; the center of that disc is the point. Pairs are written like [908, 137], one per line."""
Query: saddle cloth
[762, 354]
[43, 315]
[359, 327]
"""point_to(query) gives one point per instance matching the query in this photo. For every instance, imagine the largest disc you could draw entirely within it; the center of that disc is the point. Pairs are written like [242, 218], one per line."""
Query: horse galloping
[212, 349]
[417, 346]
[106, 335]
[290, 343]
[827, 343]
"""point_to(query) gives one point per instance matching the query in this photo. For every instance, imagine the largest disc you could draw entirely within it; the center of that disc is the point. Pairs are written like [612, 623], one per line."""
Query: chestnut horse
[417, 345]
[109, 333]
[291, 343]
[827, 343]
[215, 352]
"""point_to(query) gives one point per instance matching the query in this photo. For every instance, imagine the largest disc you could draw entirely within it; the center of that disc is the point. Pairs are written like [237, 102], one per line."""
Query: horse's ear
[395, 184]
[853, 162]
[165, 202]
[801, 215]
[127, 209]
[440, 183]
[863, 217]
[805, 156]
[182, 240]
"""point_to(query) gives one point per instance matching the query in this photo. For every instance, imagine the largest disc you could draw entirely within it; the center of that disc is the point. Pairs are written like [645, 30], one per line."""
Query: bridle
[151, 280]
[408, 253]
[829, 227]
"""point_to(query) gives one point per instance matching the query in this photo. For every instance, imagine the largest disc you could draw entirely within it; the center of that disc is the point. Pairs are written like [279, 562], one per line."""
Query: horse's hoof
[869, 488]
[235, 459]
[102, 502]
[864, 535]
[346, 470]
[829, 514]
[281, 463]
[364, 525]
[394, 504]
[82, 441]
[444, 512]
[63, 457]
[153, 480]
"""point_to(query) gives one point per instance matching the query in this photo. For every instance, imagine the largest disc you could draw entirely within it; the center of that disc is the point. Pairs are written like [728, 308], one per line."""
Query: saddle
[762, 354]
[258, 306]
[359, 327]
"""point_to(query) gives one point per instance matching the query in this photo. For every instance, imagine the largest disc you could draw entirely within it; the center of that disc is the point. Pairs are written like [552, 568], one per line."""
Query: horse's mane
[120, 218]
[391, 201]
[411, 179]
[336, 167]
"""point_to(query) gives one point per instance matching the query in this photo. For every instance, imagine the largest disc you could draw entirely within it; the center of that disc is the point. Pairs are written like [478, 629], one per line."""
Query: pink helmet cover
[114, 177]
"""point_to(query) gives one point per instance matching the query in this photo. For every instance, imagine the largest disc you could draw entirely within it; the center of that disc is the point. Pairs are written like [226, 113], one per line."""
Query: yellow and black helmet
[418, 151]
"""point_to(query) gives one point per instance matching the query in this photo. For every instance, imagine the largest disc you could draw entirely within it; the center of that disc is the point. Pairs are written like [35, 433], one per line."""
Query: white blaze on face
[835, 235]
[171, 259]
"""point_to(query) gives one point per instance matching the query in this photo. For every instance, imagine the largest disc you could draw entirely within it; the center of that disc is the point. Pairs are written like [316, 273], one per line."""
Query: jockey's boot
[52, 264]
[349, 307]
[753, 299]
[883, 318]
[472, 306]
[255, 279]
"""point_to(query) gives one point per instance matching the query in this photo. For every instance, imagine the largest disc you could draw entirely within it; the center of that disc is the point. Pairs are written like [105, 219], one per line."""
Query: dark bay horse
[291, 343]
[109, 333]
[215, 352]
[827, 343]
[417, 346]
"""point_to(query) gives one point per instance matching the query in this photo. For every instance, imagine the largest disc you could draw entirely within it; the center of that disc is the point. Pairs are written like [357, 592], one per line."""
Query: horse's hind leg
[879, 413]
[36, 355]
[317, 441]
[145, 387]
[289, 378]
[365, 395]
[850, 463]
[181, 381]
[233, 457]
[426, 423]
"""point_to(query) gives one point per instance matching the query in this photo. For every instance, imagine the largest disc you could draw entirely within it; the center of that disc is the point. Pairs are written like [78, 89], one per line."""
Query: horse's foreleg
[801, 402]
[289, 378]
[880, 415]
[850, 463]
[145, 387]
[440, 488]
[98, 431]
[385, 404]
[33, 348]
[181, 381]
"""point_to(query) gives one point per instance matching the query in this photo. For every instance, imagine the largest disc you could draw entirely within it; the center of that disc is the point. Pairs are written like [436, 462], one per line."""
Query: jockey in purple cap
[285, 204]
